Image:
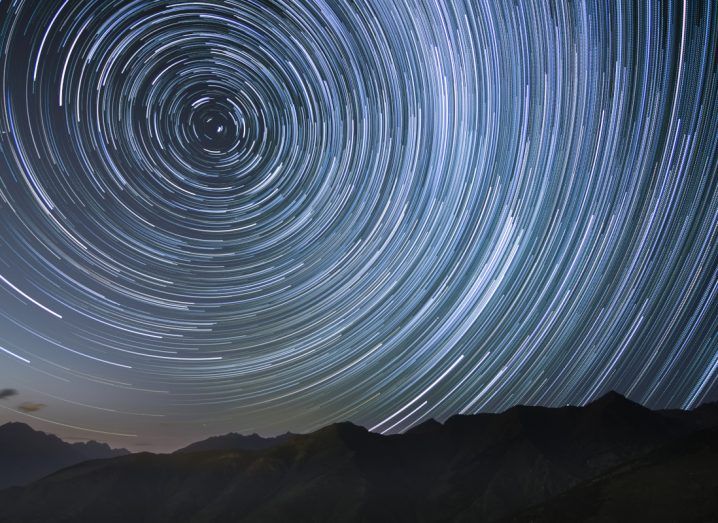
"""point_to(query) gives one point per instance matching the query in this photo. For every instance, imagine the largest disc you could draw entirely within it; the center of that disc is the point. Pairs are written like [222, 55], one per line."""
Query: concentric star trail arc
[271, 215]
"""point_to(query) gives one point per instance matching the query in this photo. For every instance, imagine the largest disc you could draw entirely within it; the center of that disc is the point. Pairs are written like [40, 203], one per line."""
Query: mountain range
[606, 461]
[27, 454]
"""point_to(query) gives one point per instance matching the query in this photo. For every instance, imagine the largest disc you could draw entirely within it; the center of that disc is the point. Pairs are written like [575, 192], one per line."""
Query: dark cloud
[28, 406]
[6, 393]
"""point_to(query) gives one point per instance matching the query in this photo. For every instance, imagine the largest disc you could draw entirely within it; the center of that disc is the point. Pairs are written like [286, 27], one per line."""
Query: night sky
[266, 216]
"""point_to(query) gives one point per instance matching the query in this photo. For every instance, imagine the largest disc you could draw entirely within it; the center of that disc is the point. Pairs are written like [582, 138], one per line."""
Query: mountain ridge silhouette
[484, 467]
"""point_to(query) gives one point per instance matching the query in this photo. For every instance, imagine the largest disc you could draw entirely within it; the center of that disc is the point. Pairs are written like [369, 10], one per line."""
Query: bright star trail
[268, 216]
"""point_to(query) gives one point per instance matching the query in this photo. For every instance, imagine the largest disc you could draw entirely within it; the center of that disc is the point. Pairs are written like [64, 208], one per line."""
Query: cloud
[6, 393]
[31, 407]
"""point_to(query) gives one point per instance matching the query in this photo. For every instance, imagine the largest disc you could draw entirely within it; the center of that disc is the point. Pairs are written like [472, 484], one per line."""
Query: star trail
[268, 216]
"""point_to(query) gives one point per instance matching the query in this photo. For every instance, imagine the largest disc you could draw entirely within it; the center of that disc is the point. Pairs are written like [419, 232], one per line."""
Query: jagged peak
[341, 430]
[345, 426]
[612, 398]
[17, 425]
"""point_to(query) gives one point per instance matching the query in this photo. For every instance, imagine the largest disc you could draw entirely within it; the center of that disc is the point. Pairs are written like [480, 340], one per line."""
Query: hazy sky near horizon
[262, 216]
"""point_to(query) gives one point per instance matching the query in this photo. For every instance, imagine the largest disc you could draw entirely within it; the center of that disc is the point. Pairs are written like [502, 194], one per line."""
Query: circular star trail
[274, 215]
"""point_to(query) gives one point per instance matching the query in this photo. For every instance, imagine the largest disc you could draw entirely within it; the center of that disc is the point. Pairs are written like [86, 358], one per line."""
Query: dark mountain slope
[27, 454]
[471, 468]
[705, 415]
[678, 482]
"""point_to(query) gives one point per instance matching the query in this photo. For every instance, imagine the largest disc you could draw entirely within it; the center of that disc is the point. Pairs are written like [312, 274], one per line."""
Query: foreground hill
[27, 454]
[471, 468]
[677, 482]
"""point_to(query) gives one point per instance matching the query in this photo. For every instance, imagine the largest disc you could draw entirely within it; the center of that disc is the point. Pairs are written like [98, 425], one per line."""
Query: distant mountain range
[27, 454]
[609, 459]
